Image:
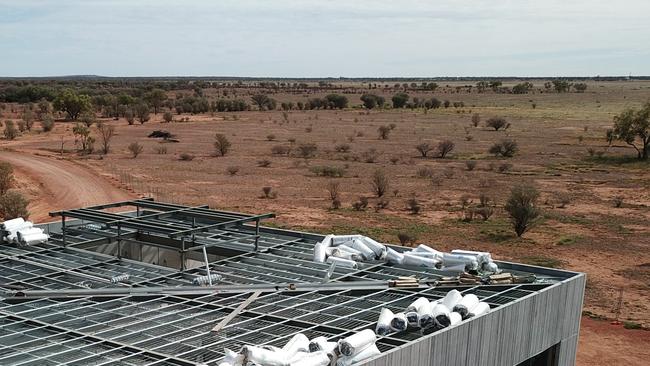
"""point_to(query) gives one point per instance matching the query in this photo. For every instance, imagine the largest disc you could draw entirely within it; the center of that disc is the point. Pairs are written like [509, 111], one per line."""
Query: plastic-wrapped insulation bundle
[449, 260]
[322, 344]
[481, 257]
[11, 224]
[480, 309]
[399, 323]
[33, 239]
[232, 358]
[366, 253]
[319, 358]
[338, 252]
[364, 354]
[261, 356]
[441, 315]
[297, 343]
[12, 232]
[341, 262]
[468, 302]
[342, 239]
[427, 249]
[353, 344]
[417, 261]
[378, 248]
[394, 257]
[451, 299]
[455, 318]
[411, 311]
[383, 323]
[20, 234]
[425, 316]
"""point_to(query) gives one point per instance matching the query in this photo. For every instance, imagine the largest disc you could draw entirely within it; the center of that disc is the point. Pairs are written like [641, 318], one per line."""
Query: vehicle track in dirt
[61, 184]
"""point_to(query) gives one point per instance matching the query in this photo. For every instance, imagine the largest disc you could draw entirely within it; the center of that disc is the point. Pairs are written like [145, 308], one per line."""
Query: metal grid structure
[61, 308]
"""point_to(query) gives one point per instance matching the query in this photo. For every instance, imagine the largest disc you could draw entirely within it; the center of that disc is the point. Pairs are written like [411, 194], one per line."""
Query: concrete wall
[506, 336]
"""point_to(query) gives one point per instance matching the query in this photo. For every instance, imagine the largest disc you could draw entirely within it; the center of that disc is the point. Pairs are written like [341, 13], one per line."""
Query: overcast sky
[308, 38]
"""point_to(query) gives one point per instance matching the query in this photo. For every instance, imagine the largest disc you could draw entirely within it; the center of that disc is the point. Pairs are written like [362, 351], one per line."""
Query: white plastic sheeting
[364, 354]
[467, 303]
[412, 311]
[383, 323]
[399, 322]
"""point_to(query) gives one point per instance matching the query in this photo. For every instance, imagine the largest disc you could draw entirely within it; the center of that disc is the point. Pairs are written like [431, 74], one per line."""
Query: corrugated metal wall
[506, 336]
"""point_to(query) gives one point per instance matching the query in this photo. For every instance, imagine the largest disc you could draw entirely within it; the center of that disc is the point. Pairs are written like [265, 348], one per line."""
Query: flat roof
[59, 305]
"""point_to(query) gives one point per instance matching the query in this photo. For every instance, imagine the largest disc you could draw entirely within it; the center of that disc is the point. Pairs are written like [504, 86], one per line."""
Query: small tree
[88, 118]
[263, 102]
[445, 147]
[130, 116]
[142, 112]
[522, 208]
[28, 118]
[83, 138]
[580, 87]
[413, 205]
[333, 190]
[47, 123]
[497, 123]
[6, 177]
[384, 131]
[135, 148]
[10, 131]
[106, 133]
[168, 117]
[380, 183]
[399, 100]
[72, 103]
[633, 127]
[13, 205]
[476, 119]
[424, 149]
[506, 148]
[221, 144]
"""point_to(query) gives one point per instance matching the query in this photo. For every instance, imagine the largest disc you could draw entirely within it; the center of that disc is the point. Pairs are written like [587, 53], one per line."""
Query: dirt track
[61, 184]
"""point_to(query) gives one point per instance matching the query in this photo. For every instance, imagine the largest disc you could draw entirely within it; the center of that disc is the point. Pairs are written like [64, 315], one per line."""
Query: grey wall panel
[506, 336]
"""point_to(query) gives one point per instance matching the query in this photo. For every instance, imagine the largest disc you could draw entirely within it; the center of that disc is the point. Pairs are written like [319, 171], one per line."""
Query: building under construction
[149, 283]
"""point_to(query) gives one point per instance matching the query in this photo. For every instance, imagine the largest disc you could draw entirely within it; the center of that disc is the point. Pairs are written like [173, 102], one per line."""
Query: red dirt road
[60, 184]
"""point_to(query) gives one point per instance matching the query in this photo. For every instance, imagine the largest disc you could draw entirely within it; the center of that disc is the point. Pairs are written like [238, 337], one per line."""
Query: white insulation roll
[394, 257]
[353, 344]
[10, 224]
[441, 315]
[342, 239]
[23, 232]
[427, 249]
[411, 311]
[319, 358]
[322, 344]
[297, 343]
[383, 323]
[468, 302]
[451, 299]
[33, 239]
[366, 353]
[417, 261]
[455, 318]
[378, 248]
[480, 309]
[450, 260]
[232, 358]
[341, 262]
[261, 356]
[319, 253]
[425, 316]
[399, 323]
[366, 253]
